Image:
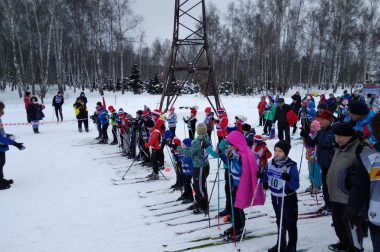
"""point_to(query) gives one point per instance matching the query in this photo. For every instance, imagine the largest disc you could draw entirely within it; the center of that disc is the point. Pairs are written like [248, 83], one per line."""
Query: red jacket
[221, 127]
[239, 126]
[154, 140]
[261, 106]
[160, 125]
[26, 101]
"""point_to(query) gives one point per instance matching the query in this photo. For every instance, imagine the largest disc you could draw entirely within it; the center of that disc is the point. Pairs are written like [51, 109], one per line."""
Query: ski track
[63, 198]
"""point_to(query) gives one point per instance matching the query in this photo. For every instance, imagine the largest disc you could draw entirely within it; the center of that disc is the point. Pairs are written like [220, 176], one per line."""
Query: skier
[307, 114]
[342, 171]
[95, 119]
[191, 122]
[5, 141]
[124, 125]
[187, 168]
[281, 117]
[209, 121]
[324, 140]
[81, 114]
[221, 124]
[57, 103]
[104, 122]
[297, 97]
[261, 108]
[35, 113]
[26, 103]
[172, 120]
[155, 144]
[362, 117]
[114, 120]
[282, 178]
[261, 151]
[240, 122]
[168, 140]
[249, 134]
[270, 111]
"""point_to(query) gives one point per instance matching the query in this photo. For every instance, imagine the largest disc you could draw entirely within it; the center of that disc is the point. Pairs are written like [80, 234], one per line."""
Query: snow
[63, 198]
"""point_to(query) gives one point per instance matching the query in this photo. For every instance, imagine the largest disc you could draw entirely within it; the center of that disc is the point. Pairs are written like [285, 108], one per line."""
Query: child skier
[95, 119]
[5, 141]
[221, 124]
[249, 134]
[187, 170]
[57, 103]
[168, 140]
[172, 120]
[114, 120]
[35, 113]
[191, 122]
[282, 178]
[270, 111]
[104, 122]
[261, 151]
[261, 109]
[240, 122]
[124, 125]
[155, 144]
[81, 114]
[209, 121]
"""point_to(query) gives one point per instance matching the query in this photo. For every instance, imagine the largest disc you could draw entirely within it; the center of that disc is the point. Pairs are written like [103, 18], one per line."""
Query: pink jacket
[248, 180]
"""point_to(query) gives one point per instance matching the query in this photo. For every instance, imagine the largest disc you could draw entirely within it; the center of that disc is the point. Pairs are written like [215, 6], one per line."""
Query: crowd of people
[341, 136]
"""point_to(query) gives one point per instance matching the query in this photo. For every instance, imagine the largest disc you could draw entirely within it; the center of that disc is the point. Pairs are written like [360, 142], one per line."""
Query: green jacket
[269, 114]
[199, 155]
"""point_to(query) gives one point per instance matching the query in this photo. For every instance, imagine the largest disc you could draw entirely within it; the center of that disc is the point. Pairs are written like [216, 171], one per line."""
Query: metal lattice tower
[189, 53]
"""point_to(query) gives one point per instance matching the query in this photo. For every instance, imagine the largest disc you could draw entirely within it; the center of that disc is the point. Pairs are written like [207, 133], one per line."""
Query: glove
[285, 176]
[259, 175]
[303, 133]
[265, 186]
[19, 146]
[10, 136]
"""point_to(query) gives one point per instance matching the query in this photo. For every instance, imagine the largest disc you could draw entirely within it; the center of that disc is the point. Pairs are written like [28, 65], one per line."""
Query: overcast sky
[159, 16]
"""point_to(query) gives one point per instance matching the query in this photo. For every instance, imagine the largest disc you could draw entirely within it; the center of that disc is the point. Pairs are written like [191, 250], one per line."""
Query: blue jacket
[187, 165]
[273, 177]
[4, 139]
[324, 140]
[236, 169]
[364, 126]
[104, 117]
[172, 120]
[346, 97]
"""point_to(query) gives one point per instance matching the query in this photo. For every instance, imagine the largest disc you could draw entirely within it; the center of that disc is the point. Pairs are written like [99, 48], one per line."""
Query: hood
[238, 140]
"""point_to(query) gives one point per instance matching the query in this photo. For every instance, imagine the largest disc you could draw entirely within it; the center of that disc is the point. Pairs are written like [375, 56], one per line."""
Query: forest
[257, 46]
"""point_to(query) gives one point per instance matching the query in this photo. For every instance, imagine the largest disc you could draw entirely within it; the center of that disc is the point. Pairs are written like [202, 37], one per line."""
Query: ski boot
[80, 129]
[275, 249]
[114, 142]
[150, 175]
[4, 185]
[232, 237]
[188, 201]
[339, 247]
[154, 177]
[223, 213]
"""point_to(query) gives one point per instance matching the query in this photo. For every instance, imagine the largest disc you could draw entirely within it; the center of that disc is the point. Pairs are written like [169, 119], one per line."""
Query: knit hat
[156, 112]
[230, 128]
[139, 112]
[344, 129]
[120, 111]
[176, 141]
[99, 104]
[221, 111]
[246, 127]
[284, 146]
[111, 109]
[168, 134]
[201, 129]
[323, 106]
[187, 142]
[358, 108]
[193, 111]
[241, 118]
[208, 110]
[149, 123]
[326, 114]
[258, 139]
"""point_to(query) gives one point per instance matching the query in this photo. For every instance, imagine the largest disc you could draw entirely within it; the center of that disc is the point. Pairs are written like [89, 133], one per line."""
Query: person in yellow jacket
[81, 113]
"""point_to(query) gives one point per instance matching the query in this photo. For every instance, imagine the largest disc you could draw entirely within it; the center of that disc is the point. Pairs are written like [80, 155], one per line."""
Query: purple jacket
[248, 180]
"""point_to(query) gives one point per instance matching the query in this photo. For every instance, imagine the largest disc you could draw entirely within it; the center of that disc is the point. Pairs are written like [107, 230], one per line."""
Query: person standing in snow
[221, 124]
[104, 122]
[249, 134]
[35, 113]
[281, 117]
[81, 114]
[240, 122]
[26, 103]
[57, 103]
[261, 108]
[114, 120]
[191, 122]
[209, 121]
[282, 178]
[83, 97]
[155, 144]
[172, 120]
[269, 113]
[5, 141]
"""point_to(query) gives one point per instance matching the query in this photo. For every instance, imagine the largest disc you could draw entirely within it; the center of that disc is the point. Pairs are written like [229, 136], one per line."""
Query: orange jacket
[221, 127]
[154, 140]
[261, 106]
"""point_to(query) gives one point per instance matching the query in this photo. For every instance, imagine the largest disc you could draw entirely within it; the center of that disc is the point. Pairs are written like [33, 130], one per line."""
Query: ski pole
[141, 149]
[303, 148]
[123, 178]
[213, 186]
[281, 217]
[218, 195]
[232, 203]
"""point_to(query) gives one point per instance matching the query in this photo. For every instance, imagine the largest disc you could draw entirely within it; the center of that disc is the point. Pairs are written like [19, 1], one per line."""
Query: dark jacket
[34, 112]
[83, 98]
[297, 98]
[249, 137]
[325, 142]
[331, 103]
[58, 101]
[80, 110]
[280, 115]
[296, 107]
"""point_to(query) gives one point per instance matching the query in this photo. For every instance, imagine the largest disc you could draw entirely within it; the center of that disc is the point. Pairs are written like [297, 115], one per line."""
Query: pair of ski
[306, 215]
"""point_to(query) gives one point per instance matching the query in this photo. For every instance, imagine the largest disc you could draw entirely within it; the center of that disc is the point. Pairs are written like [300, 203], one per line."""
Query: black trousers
[187, 192]
[82, 121]
[155, 160]
[289, 220]
[294, 128]
[227, 190]
[104, 132]
[99, 127]
[267, 126]
[191, 134]
[179, 175]
[325, 190]
[200, 187]
[338, 210]
[132, 146]
[239, 215]
[2, 163]
[209, 132]
[114, 133]
[262, 121]
[281, 129]
[58, 110]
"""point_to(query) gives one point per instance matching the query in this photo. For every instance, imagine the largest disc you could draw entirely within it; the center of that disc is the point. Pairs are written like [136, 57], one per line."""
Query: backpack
[291, 117]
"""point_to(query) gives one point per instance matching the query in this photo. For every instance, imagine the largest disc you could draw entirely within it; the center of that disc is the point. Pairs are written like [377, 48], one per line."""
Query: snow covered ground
[63, 198]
